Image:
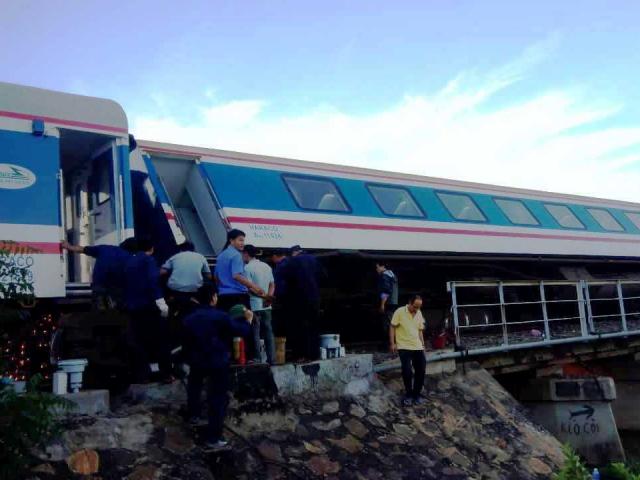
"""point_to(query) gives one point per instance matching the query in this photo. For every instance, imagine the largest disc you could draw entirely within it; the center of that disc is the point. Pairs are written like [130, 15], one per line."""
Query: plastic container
[331, 340]
[440, 341]
[74, 368]
[60, 383]
[280, 350]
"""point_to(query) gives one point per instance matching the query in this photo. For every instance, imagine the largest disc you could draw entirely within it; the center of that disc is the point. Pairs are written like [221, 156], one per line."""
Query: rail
[499, 316]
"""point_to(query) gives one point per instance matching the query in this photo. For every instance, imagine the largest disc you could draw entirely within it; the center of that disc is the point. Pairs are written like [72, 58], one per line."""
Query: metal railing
[499, 316]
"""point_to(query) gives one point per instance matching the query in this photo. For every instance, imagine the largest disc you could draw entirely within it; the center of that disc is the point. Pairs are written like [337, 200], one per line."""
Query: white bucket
[74, 368]
[331, 340]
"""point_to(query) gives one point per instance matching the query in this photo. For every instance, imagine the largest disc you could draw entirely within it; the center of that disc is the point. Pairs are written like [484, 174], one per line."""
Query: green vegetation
[27, 421]
[574, 469]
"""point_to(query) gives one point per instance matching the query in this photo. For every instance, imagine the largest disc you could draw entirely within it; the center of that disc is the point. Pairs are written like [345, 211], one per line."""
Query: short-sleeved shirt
[261, 274]
[108, 271]
[228, 264]
[409, 328]
[187, 270]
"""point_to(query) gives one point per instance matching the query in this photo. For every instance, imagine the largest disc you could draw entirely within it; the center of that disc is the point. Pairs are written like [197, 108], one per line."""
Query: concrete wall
[350, 375]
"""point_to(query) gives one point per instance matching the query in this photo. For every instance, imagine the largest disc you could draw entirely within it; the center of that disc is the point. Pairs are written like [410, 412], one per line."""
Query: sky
[540, 95]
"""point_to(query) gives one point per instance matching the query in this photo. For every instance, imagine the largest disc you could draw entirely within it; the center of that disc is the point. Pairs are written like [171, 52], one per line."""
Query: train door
[103, 197]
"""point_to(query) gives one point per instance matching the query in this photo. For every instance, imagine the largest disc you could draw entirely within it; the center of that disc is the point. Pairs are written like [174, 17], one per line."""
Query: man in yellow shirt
[406, 336]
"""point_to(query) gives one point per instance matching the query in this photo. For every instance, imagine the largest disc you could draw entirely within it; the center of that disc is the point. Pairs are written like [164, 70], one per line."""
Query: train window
[516, 211]
[395, 201]
[606, 220]
[461, 207]
[634, 217]
[564, 216]
[313, 193]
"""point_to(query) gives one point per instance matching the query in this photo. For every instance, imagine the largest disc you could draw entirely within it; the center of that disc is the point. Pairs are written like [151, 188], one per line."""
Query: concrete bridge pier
[578, 412]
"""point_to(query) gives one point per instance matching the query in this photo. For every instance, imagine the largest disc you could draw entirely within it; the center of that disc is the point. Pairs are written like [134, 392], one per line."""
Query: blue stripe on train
[261, 189]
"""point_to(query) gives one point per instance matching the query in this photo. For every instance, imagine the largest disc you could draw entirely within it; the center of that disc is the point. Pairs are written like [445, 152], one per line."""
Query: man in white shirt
[187, 271]
[261, 275]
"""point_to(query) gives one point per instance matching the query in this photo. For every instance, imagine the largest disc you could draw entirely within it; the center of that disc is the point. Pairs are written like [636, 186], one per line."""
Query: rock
[349, 443]
[357, 411]
[315, 447]
[275, 473]
[292, 451]
[270, 451]
[357, 387]
[131, 432]
[194, 472]
[327, 426]
[392, 440]
[176, 441]
[378, 404]
[331, 407]
[356, 427]
[459, 459]
[539, 467]
[487, 420]
[304, 411]
[144, 472]
[278, 436]
[321, 465]
[302, 431]
[404, 430]
[45, 468]
[376, 421]
[452, 471]
[84, 462]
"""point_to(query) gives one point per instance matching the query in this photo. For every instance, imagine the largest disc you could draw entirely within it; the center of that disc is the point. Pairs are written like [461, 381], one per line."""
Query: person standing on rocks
[207, 335]
[406, 337]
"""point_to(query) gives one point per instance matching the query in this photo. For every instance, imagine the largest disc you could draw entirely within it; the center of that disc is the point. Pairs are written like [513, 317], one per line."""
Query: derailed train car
[69, 170]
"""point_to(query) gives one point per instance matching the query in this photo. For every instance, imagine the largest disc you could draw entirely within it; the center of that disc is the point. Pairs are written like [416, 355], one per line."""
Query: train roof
[366, 174]
[64, 110]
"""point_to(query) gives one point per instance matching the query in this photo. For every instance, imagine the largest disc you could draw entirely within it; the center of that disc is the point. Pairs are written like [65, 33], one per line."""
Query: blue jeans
[262, 324]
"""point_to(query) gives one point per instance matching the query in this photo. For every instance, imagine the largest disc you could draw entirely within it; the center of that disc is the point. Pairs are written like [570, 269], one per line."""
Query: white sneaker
[218, 445]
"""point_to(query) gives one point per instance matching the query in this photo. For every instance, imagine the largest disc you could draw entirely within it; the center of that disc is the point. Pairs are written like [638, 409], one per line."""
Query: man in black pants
[300, 277]
[208, 332]
[406, 336]
[148, 314]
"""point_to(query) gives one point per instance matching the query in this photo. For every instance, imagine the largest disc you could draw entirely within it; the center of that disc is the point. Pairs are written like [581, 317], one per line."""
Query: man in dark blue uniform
[208, 332]
[148, 313]
[108, 270]
[298, 290]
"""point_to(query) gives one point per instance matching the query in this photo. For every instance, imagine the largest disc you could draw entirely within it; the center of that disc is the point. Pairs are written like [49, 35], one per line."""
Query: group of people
[235, 301]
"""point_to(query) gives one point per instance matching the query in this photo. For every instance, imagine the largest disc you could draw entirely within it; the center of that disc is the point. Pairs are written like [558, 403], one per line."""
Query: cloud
[564, 139]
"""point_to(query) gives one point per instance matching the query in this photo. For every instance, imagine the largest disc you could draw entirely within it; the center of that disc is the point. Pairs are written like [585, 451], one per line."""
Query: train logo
[14, 177]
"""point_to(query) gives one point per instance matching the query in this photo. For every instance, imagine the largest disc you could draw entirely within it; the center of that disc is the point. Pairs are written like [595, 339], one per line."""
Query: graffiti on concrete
[16, 274]
[581, 421]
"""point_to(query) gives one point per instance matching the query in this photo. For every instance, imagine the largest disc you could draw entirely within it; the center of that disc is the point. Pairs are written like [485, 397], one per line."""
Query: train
[71, 169]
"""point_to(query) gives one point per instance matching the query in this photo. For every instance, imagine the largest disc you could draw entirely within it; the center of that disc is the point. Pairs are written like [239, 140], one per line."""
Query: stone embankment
[468, 427]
